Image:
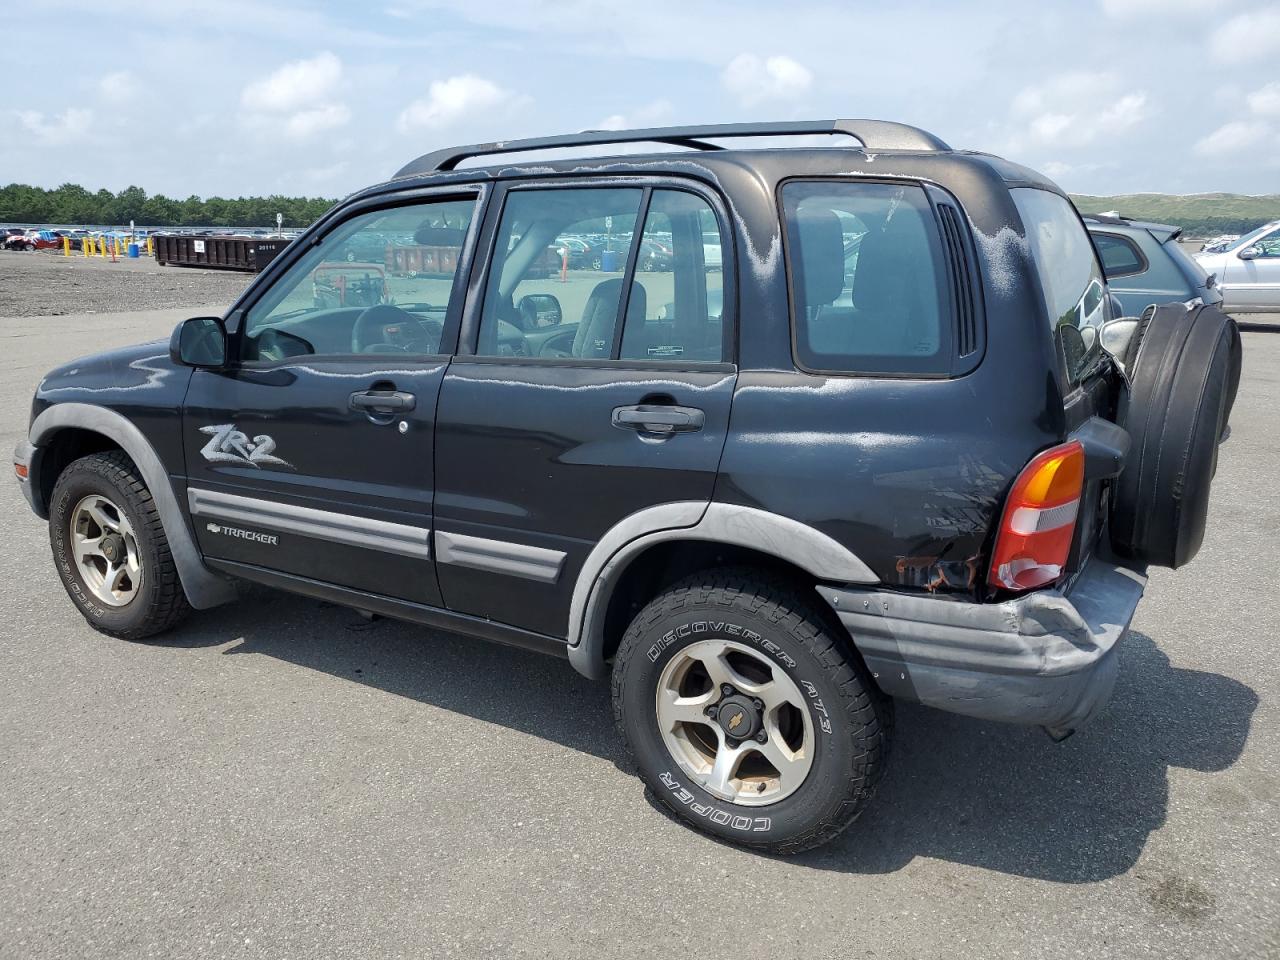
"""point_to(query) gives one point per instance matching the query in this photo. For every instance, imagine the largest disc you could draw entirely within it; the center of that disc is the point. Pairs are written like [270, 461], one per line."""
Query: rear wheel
[747, 714]
[110, 549]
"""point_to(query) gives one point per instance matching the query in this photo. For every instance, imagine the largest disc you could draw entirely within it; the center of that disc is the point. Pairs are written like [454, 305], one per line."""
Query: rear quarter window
[1070, 277]
[1120, 255]
[868, 285]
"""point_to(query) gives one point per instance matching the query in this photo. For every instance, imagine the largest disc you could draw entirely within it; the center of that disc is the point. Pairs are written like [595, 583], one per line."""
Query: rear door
[312, 454]
[575, 402]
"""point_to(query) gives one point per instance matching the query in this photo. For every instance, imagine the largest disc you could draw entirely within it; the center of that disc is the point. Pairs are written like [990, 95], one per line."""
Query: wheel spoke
[725, 769]
[674, 709]
[791, 765]
[85, 547]
[115, 574]
[99, 516]
[721, 671]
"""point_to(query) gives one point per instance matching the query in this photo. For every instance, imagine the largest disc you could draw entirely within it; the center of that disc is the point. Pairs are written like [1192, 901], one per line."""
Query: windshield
[1248, 238]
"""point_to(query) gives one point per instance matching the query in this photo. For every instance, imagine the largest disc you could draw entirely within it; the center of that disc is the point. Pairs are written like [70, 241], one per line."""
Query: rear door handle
[658, 419]
[382, 401]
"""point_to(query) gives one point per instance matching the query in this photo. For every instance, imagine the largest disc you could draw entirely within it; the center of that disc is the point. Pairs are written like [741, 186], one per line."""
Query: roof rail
[872, 134]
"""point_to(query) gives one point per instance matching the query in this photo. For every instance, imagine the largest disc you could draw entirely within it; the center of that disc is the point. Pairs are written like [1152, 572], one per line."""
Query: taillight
[1039, 520]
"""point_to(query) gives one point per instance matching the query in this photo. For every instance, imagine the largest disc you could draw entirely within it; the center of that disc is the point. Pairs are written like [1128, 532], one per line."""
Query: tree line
[1199, 216]
[73, 204]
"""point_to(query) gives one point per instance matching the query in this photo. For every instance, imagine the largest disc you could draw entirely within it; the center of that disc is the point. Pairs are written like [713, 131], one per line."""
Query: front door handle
[658, 420]
[382, 401]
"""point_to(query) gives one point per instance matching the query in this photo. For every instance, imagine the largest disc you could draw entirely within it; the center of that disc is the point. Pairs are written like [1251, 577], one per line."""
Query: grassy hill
[1199, 214]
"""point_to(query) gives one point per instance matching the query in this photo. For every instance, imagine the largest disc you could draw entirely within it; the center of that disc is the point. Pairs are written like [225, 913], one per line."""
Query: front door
[312, 454]
[579, 395]
[1254, 284]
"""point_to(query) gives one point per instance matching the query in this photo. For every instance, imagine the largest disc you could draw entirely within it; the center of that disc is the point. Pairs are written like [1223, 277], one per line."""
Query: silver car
[1248, 271]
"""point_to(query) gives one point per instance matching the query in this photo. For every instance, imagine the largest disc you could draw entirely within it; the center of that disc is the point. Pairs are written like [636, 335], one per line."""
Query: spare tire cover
[1182, 386]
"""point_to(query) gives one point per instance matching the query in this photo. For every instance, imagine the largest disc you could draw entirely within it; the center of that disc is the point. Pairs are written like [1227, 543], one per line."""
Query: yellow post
[150, 249]
[84, 245]
[66, 246]
[102, 246]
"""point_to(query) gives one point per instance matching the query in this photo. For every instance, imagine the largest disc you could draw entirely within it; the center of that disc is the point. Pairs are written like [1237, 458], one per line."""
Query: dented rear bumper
[1046, 658]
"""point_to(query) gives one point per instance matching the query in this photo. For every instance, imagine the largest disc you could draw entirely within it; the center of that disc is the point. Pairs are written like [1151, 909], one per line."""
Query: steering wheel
[369, 327]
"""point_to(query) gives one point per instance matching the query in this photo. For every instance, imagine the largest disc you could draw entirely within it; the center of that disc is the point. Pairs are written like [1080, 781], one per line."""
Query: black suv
[872, 430]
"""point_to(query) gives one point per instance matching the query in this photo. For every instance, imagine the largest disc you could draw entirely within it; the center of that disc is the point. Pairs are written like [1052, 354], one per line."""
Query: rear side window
[867, 279]
[1070, 277]
[1120, 256]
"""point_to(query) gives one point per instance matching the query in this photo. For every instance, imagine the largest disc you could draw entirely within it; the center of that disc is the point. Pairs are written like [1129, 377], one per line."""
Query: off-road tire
[1183, 382]
[853, 720]
[159, 603]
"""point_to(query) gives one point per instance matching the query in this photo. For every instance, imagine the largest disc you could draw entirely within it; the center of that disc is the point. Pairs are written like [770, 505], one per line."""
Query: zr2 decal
[229, 445]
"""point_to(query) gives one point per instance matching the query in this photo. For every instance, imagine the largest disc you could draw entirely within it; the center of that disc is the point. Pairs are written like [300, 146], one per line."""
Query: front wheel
[747, 714]
[110, 549]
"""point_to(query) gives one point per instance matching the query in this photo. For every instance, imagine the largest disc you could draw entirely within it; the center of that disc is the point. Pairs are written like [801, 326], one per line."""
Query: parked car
[1144, 264]
[1248, 270]
[939, 475]
[33, 240]
[1219, 243]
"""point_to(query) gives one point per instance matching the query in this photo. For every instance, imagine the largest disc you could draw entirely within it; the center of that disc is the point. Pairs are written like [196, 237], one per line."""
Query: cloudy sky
[247, 97]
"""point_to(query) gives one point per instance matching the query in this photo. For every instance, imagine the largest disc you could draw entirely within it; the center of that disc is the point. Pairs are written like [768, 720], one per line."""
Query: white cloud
[298, 84]
[649, 115]
[1129, 9]
[1247, 36]
[1266, 100]
[1233, 137]
[753, 80]
[67, 127]
[1074, 109]
[305, 123]
[118, 87]
[448, 101]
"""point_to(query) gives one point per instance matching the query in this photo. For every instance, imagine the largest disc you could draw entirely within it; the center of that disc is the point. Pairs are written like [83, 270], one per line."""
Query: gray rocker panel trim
[499, 556]
[203, 587]
[778, 536]
[341, 528]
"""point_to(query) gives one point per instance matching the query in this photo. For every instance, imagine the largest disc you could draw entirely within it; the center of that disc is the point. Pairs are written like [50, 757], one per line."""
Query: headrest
[594, 337]
[819, 269]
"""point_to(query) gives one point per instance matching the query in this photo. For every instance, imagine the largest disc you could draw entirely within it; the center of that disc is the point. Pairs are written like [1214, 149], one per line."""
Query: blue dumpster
[609, 261]
[133, 251]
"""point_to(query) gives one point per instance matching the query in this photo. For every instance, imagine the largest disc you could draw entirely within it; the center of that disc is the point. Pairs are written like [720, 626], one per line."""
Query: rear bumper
[1046, 658]
[27, 455]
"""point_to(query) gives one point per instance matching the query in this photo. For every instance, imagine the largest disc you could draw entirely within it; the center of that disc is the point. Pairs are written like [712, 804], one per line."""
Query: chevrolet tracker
[768, 435]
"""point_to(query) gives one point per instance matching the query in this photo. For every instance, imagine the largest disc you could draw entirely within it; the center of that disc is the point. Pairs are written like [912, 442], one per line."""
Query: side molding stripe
[344, 528]
[499, 556]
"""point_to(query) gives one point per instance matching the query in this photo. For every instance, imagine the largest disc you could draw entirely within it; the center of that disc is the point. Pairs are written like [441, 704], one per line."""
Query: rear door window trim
[486, 249]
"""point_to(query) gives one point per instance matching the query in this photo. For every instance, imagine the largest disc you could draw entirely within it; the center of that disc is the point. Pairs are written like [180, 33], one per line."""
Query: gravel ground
[45, 283]
[280, 778]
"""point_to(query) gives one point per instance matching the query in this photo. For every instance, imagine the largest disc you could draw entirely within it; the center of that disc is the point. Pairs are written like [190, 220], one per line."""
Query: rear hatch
[1074, 292]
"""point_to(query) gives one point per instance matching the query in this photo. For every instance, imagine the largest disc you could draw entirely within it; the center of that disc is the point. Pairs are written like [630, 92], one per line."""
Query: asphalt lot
[280, 778]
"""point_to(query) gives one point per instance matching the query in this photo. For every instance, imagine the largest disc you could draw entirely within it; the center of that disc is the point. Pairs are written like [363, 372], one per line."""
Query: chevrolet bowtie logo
[735, 721]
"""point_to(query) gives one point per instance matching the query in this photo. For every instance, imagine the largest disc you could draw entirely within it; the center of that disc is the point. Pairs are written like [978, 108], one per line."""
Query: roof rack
[872, 134]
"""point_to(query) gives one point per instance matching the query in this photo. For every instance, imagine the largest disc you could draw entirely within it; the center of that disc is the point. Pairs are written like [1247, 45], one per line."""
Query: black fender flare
[203, 587]
[770, 533]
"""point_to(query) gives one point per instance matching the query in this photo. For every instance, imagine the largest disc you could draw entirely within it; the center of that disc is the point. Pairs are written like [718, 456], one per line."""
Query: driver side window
[380, 283]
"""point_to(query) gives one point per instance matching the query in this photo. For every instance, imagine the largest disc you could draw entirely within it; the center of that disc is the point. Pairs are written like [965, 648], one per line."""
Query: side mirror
[199, 342]
[540, 310]
[1249, 253]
